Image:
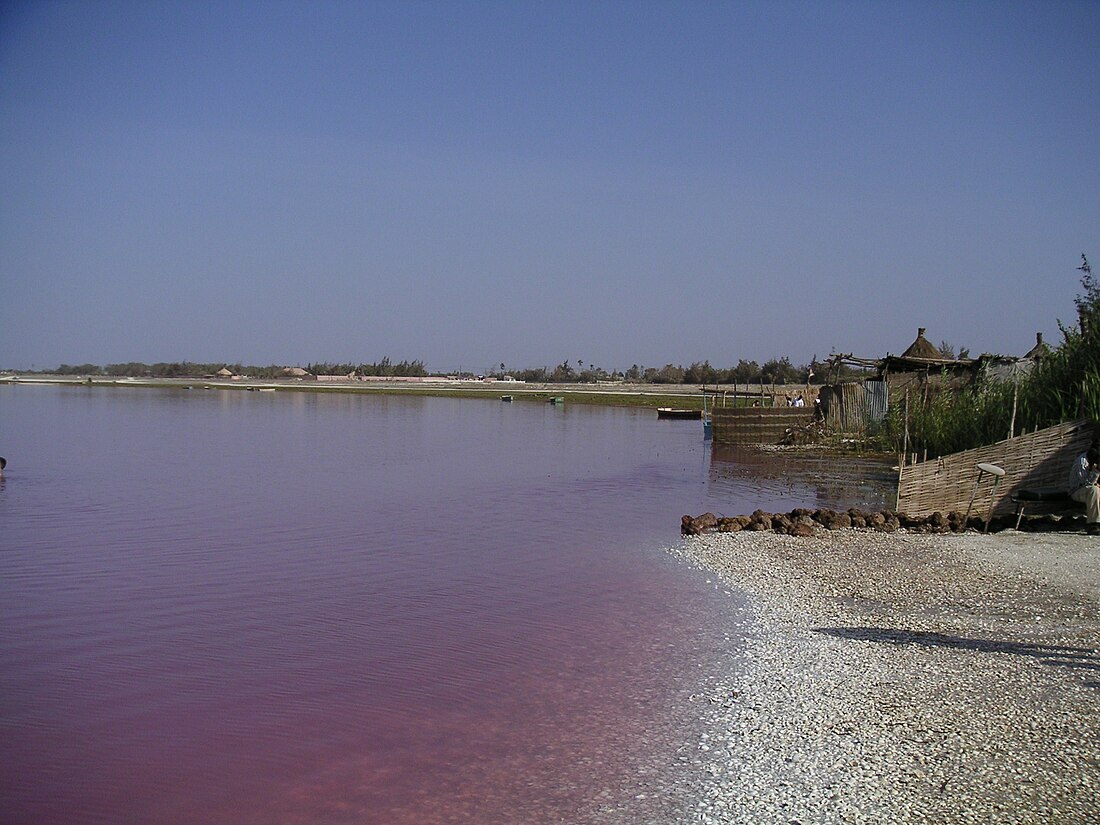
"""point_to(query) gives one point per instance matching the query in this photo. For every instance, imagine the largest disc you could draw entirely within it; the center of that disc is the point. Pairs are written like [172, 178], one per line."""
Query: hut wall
[877, 400]
[756, 425]
[1038, 459]
[849, 408]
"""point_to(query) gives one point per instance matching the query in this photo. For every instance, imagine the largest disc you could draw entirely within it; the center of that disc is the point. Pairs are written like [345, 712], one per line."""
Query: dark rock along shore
[802, 522]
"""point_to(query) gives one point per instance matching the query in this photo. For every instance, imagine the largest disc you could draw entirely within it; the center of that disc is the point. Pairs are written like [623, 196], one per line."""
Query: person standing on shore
[1083, 477]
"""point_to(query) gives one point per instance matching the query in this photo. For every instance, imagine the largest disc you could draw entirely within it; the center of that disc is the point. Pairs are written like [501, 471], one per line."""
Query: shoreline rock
[803, 522]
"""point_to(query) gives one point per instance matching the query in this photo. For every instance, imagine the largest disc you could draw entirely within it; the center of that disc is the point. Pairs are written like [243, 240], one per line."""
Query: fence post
[1015, 395]
[905, 438]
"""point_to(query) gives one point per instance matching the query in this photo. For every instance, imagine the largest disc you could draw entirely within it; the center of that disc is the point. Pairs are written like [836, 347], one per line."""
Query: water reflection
[778, 480]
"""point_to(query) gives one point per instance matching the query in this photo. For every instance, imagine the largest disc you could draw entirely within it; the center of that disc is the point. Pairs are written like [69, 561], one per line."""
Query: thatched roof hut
[224, 372]
[1040, 349]
[922, 348]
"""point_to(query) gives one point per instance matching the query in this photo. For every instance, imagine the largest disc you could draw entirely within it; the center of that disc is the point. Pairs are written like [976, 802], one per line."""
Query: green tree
[701, 373]
[563, 374]
[669, 374]
[781, 371]
[746, 372]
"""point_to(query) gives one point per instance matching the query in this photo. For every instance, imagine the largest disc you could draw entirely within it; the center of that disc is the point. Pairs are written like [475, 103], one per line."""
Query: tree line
[773, 371]
[383, 368]
[192, 369]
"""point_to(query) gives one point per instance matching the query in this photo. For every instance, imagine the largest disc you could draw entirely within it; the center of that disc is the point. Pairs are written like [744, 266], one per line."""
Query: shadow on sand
[1083, 658]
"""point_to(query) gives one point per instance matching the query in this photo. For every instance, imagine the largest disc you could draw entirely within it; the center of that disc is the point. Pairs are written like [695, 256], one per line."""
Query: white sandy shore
[906, 678]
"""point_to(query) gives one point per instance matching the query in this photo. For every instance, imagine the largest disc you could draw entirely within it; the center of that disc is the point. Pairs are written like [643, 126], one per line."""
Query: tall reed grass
[1063, 386]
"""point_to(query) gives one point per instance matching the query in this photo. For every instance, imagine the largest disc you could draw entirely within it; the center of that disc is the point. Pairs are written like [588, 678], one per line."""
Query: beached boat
[670, 412]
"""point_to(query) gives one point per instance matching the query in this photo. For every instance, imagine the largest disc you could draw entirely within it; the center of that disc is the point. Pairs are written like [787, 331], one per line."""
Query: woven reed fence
[1038, 459]
[756, 425]
[851, 407]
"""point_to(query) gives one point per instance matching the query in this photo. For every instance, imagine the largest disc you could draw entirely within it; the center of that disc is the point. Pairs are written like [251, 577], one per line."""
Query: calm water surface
[236, 607]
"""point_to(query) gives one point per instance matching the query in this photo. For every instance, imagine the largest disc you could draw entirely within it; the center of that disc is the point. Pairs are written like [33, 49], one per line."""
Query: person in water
[3, 464]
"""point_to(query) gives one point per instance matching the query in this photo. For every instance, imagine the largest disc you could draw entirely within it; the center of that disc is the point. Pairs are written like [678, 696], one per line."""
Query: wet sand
[905, 678]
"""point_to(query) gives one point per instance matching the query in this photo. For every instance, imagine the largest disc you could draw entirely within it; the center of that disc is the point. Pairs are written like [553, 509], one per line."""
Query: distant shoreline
[687, 396]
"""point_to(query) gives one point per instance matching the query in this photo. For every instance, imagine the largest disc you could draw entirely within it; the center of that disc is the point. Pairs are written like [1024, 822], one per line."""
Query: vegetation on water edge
[1064, 385]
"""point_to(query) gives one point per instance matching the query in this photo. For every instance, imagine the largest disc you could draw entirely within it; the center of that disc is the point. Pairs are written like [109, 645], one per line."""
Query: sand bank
[906, 678]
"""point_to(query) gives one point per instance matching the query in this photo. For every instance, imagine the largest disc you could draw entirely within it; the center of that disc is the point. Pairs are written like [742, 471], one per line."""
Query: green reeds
[950, 419]
[1064, 385]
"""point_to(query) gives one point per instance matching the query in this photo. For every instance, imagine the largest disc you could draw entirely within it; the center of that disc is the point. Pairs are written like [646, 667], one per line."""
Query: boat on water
[671, 412]
[507, 398]
[556, 400]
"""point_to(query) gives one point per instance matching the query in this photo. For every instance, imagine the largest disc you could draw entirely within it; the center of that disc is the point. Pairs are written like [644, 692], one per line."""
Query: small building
[920, 371]
[338, 378]
[922, 348]
[298, 373]
[922, 366]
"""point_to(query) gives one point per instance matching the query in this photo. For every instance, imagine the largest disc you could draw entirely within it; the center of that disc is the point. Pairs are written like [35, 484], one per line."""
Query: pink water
[231, 607]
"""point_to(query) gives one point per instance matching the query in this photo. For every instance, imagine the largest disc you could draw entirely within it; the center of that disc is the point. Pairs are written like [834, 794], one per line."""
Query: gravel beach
[905, 678]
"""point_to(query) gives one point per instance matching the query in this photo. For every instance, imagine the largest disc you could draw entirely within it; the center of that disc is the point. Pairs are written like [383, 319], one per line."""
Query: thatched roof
[224, 373]
[921, 348]
[1040, 349]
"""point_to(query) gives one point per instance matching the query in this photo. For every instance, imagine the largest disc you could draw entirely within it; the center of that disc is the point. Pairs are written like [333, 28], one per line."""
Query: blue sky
[471, 183]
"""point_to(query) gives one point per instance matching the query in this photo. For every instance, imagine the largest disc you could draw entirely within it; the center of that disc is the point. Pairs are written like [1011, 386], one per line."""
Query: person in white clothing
[1083, 477]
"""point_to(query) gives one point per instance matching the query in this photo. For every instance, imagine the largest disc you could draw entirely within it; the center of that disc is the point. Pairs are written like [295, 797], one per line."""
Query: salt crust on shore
[905, 678]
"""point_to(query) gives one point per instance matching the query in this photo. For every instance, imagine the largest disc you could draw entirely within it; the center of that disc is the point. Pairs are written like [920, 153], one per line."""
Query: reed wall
[1038, 459]
[757, 425]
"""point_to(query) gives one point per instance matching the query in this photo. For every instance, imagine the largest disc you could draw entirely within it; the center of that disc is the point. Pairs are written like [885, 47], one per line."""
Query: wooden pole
[905, 441]
[1015, 396]
[901, 475]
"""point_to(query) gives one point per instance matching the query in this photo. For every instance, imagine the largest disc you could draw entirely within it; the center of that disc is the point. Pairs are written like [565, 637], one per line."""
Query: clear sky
[470, 183]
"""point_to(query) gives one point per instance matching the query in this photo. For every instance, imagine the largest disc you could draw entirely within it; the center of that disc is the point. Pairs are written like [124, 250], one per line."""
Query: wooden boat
[506, 398]
[670, 412]
[556, 400]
